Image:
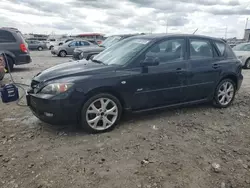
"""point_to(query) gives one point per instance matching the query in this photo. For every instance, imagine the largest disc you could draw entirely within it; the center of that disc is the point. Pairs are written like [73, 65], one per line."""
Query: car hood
[91, 49]
[242, 53]
[72, 69]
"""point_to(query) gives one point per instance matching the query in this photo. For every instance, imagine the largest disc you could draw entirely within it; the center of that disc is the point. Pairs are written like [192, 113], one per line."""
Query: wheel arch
[247, 59]
[10, 55]
[232, 76]
[106, 89]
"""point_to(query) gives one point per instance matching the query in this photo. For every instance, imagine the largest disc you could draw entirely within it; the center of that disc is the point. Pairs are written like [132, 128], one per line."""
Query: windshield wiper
[97, 61]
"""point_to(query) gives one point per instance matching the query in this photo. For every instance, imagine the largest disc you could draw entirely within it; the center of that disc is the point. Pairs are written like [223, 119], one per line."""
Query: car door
[164, 84]
[31, 44]
[84, 44]
[203, 69]
[72, 46]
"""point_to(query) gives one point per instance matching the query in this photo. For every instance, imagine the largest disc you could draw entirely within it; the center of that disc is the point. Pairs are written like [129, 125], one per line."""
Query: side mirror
[150, 61]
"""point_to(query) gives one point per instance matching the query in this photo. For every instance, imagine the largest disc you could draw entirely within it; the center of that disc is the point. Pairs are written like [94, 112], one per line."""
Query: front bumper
[54, 111]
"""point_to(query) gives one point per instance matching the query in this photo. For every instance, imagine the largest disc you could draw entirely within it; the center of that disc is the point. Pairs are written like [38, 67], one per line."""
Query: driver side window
[72, 44]
[167, 51]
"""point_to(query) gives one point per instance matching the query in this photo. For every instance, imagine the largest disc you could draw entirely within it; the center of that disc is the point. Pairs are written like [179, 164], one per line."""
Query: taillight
[23, 48]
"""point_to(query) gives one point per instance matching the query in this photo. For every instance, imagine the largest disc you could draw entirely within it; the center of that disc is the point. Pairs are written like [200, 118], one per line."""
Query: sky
[218, 18]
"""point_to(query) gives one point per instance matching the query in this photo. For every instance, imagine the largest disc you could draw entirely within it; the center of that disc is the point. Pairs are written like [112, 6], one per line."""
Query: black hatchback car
[137, 74]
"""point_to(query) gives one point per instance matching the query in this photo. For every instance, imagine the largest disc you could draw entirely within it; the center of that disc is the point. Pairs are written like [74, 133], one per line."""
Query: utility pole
[246, 23]
[167, 26]
[226, 33]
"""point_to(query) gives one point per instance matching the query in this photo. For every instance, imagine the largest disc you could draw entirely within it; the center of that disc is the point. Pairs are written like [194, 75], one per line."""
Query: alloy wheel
[226, 93]
[102, 114]
[248, 64]
[62, 53]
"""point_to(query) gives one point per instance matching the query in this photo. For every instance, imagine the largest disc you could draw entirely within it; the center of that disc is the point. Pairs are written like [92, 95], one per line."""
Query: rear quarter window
[6, 36]
[221, 47]
[229, 52]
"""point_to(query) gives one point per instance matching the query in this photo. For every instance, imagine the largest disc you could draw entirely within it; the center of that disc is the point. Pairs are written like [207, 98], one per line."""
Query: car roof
[162, 36]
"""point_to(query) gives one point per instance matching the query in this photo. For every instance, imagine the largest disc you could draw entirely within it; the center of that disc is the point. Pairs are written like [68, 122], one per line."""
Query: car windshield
[121, 52]
[241, 47]
[110, 41]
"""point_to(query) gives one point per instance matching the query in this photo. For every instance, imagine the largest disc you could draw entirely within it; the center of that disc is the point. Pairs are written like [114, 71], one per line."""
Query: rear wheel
[225, 93]
[247, 65]
[62, 53]
[10, 66]
[101, 113]
[40, 48]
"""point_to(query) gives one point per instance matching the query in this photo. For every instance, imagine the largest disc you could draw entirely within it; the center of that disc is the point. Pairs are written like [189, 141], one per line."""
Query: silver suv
[69, 47]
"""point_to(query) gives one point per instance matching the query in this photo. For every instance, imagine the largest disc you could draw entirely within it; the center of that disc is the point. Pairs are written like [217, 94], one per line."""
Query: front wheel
[225, 93]
[62, 53]
[101, 113]
[40, 48]
[247, 65]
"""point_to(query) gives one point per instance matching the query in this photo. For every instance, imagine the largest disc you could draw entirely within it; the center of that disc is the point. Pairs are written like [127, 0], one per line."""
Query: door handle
[179, 70]
[215, 66]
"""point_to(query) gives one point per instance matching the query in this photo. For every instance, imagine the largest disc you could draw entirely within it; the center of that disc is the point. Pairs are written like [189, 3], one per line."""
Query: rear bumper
[23, 59]
[239, 82]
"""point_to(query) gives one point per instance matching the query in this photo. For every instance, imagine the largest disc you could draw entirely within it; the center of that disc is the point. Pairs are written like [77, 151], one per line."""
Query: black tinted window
[167, 51]
[6, 36]
[221, 47]
[200, 48]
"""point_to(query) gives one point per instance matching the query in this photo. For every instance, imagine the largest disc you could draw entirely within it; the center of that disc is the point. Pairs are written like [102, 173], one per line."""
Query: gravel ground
[191, 147]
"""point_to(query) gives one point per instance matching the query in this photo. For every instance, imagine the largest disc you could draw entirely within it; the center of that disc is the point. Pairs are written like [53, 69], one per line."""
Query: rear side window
[229, 52]
[200, 48]
[6, 36]
[221, 47]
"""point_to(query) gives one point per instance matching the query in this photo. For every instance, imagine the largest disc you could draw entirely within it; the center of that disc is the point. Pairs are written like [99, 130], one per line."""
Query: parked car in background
[36, 45]
[51, 44]
[68, 48]
[242, 51]
[138, 74]
[86, 53]
[14, 46]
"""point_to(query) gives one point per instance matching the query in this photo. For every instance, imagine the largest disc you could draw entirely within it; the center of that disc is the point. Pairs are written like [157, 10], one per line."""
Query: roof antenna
[195, 31]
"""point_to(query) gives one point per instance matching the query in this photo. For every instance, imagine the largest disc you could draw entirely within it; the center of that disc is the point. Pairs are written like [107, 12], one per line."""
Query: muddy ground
[191, 147]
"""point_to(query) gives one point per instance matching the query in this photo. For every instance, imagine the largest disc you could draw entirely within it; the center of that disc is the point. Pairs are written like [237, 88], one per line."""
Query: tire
[105, 121]
[247, 64]
[11, 64]
[40, 48]
[62, 53]
[220, 93]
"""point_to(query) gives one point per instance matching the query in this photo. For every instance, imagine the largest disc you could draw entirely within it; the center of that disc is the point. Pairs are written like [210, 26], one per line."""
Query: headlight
[56, 88]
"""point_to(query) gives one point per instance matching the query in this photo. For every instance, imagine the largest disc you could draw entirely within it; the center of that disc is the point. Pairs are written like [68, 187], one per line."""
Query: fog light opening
[48, 114]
